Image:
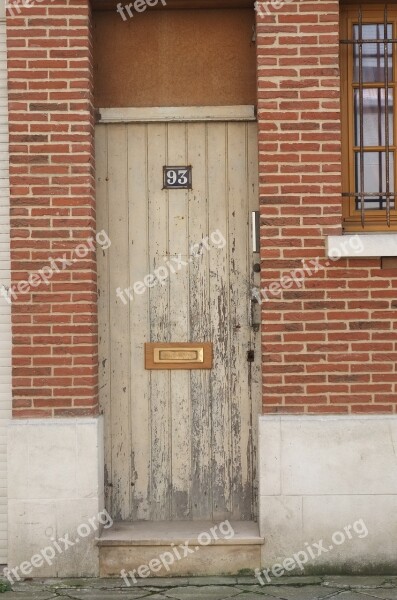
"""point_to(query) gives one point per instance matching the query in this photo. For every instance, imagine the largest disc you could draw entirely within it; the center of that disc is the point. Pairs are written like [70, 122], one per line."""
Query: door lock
[255, 312]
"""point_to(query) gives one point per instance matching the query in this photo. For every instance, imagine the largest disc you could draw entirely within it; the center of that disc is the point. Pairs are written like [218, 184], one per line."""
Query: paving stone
[298, 580]
[30, 595]
[310, 592]
[212, 580]
[109, 584]
[353, 582]
[353, 595]
[208, 588]
[29, 586]
[386, 594]
[253, 596]
[295, 581]
[93, 594]
[254, 589]
[84, 582]
[212, 592]
[161, 582]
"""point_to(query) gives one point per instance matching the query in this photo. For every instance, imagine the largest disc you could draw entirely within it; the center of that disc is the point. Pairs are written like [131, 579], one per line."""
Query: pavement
[209, 588]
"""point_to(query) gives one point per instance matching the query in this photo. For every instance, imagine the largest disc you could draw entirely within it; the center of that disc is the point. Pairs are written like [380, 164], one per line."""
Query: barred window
[369, 122]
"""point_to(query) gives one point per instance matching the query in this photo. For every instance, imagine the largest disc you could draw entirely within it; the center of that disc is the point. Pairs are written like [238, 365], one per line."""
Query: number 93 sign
[177, 178]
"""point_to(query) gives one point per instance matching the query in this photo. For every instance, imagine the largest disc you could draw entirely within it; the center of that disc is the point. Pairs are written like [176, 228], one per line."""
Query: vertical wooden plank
[181, 431]
[139, 321]
[119, 321]
[220, 333]
[159, 326]
[254, 368]
[102, 213]
[200, 319]
[239, 323]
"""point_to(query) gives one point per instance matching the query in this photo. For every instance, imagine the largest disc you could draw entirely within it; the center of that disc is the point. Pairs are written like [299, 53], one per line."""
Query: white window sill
[369, 245]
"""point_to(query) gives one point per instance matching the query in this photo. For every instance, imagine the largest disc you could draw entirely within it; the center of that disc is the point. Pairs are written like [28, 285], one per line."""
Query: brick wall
[52, 208]
[329, 342]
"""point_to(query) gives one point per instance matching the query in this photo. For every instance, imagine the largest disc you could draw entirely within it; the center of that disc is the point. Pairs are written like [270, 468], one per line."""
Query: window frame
[375, 220]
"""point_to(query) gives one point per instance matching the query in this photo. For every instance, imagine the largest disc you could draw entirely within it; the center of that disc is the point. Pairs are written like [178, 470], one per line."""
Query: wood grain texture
[180, 443]
[194, 58]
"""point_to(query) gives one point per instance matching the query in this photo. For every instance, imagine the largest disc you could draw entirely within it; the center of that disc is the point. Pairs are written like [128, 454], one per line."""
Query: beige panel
[139, 266]
[202, 58]
[240, 330]
[120, 375]
[181, 444]
[219, 262]
[200, 328]
[179, 328]
[161, 442]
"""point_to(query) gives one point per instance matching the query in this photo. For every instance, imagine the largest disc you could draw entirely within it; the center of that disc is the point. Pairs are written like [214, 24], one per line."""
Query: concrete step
[179, 548]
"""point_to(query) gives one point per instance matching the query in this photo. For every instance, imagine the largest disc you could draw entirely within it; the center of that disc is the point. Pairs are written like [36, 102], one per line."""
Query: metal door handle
[256, 316]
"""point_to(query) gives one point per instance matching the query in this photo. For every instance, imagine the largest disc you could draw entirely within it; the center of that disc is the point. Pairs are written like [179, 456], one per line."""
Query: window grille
[371, 89]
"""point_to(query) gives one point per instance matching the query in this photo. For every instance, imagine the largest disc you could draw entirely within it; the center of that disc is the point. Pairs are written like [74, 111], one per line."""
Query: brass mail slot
[178, 356]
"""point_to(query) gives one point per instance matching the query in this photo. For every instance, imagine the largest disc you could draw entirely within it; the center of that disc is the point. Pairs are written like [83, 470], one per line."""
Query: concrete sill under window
[374, 245]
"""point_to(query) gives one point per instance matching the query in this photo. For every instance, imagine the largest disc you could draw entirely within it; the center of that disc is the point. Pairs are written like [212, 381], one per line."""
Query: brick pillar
[52, 208]
[300, 187]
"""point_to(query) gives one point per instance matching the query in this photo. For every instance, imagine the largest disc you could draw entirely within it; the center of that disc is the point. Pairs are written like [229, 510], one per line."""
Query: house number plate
[177, 178]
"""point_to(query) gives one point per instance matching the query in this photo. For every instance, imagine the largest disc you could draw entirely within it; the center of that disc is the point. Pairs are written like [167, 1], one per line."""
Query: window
[369, 117]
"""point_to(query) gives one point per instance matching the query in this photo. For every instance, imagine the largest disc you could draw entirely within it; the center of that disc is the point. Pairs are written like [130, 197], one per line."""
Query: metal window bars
[387, 195]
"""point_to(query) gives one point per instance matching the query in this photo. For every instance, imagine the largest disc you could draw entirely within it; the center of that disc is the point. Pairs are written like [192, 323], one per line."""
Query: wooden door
[180, 445]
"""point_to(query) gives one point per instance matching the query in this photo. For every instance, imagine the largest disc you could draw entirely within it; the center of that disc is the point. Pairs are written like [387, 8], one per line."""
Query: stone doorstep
[130, 546]
[164, 533]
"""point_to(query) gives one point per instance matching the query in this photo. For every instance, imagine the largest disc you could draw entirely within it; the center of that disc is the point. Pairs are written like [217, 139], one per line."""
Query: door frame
[177, 114]
[186, 114]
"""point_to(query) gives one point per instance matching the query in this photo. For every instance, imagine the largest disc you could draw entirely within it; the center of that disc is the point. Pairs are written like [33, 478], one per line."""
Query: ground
[209, 588]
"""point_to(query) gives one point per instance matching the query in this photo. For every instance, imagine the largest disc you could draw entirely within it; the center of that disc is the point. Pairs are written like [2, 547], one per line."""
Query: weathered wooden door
[179, 444]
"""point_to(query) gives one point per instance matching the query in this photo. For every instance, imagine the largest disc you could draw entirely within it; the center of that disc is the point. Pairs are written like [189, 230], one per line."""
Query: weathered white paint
[179, 445]
[56, 485]
[5, 310]
[319, 474]
[369, 245]
[177, 113]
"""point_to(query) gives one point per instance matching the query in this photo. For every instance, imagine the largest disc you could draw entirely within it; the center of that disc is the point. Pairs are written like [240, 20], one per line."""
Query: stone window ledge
[369, 245]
